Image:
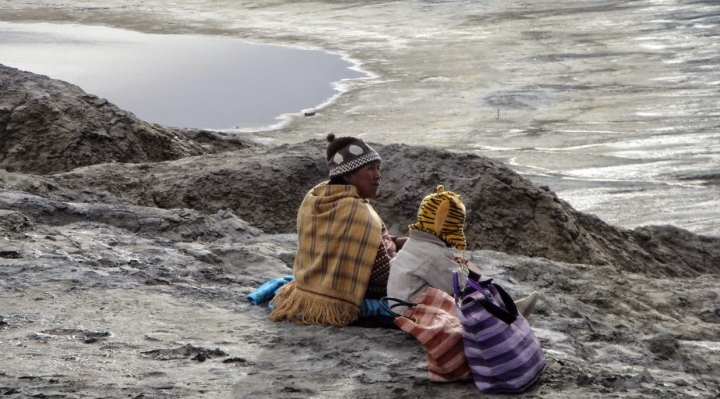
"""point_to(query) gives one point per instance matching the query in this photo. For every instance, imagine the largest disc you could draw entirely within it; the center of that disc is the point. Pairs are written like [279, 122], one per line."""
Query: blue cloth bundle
[372, 307]
[268, 290]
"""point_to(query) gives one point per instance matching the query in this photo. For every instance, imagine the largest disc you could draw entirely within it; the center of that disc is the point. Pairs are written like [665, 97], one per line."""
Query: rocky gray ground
[129, 279]
[125, 259]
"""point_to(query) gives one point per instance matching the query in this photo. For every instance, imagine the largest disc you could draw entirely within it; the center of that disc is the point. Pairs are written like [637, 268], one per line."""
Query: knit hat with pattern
[442, 214]
[345, 154]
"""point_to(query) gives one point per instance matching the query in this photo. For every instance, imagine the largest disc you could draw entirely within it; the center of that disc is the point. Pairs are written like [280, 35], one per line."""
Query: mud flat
[611, 105]
[128, 248]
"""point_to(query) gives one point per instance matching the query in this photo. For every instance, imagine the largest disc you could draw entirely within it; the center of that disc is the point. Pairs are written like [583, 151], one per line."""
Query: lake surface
[194, 81]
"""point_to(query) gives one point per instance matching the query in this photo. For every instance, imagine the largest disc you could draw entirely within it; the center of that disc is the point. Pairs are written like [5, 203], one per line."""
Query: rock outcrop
[507, 213]
[49, 126]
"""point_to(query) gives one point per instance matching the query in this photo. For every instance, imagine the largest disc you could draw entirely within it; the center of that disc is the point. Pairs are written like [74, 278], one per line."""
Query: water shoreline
[164, 79]
[442, 72]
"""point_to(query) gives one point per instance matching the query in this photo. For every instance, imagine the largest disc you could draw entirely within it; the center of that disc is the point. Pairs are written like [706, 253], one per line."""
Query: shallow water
[194, 81]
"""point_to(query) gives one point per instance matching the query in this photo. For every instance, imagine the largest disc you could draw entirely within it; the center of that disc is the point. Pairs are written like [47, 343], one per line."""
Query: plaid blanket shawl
[339, 235]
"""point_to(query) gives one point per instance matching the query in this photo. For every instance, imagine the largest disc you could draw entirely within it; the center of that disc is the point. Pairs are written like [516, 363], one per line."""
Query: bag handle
[456, 286]
[479, 288]
[385, 304]
[508, 316]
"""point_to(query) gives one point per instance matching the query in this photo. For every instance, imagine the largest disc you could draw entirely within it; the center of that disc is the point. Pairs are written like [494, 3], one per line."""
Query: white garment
[424, 261]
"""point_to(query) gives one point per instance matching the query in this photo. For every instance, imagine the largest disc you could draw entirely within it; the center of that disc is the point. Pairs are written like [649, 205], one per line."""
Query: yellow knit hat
[442, 214]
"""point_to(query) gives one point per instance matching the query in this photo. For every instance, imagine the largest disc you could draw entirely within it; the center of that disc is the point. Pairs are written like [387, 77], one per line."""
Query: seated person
[427, 258]
[344, 248]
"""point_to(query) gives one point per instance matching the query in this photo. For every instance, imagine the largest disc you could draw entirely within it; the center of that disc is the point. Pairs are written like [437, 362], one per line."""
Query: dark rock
[10, 254]
[235, 360]
[14, 222]
[585, 379]
[663, 346]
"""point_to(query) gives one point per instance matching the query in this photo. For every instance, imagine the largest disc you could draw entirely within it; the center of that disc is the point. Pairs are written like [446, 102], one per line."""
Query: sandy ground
[93, 311]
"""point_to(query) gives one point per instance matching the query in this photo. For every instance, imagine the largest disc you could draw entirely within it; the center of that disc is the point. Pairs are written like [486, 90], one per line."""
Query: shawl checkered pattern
[339, 234]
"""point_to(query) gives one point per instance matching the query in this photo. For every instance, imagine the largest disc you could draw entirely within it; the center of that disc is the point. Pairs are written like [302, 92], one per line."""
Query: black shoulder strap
[385, 303]
[508, 316]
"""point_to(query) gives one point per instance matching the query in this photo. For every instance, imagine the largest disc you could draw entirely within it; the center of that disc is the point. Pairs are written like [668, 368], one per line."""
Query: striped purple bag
[501, 348]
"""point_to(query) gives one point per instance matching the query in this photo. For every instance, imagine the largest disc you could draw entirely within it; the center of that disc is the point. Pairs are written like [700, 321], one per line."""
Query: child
[427, 258]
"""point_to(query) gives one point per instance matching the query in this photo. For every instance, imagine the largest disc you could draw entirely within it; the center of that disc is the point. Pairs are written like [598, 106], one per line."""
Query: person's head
[442, 213]
[351, 161]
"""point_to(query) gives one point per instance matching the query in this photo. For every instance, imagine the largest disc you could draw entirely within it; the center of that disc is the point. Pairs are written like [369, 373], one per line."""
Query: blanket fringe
[303, 307]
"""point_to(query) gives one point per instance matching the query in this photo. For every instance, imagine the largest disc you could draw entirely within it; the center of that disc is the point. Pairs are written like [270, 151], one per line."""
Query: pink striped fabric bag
[431, 319]
[501, 348]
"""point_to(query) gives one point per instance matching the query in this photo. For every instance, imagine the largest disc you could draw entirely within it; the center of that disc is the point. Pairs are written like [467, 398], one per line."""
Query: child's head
[442, 214]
